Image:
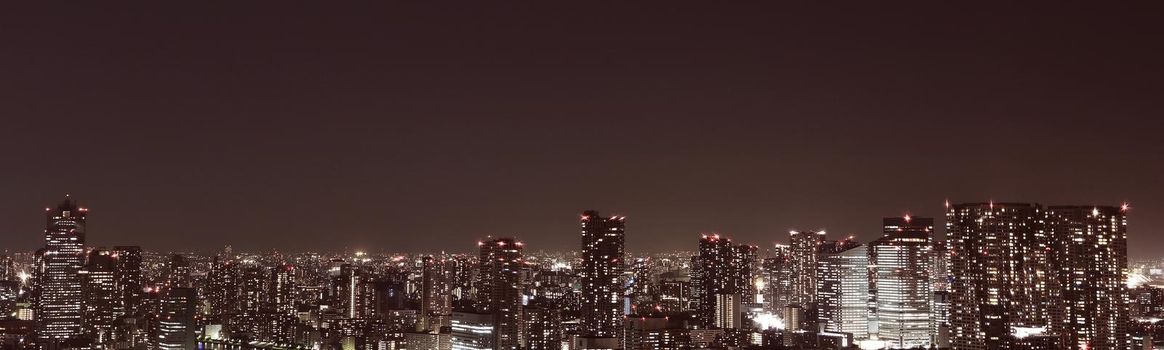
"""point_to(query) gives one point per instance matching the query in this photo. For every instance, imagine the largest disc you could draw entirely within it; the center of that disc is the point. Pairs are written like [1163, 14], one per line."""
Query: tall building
[603, 240]
[128, 277]
[175, 324]
[282, 288]
[499, 290]
[101, 295]
[901, 281]
[725, 280]
[223, 293]
[8, 271]
[543, 322]
[61, 306]
[251, 300]
[178, 272]
[998, 257]
[436, 300]
[843, 288]
[1090, 254]
[802, 251]
[355, 292]
[940, 267]
[940, 287]
[777, 277]
[281, 307]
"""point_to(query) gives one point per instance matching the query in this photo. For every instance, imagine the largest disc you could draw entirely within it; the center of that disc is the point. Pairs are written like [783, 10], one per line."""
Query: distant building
[355, 292]
[178, 272]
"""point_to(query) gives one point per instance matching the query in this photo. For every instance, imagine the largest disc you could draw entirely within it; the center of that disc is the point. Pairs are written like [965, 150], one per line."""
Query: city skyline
[778, 239]
[379, 126]
[1009, 276]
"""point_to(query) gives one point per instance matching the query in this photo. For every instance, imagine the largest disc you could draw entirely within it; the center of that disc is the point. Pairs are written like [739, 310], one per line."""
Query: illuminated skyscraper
[998, 257]
[803, 247]
[499, 290]
[940, 287]
[128, 278]
[61, 306]
[178, 272]
[843, 288]
[901, 281]
[280, 312]
[281, 289]
[777, 275]
[175, 324]
[223, 291]
[543, 322]
[436, 302]
[940, 267]
[101, 296]
[355, 292]
[1090, 253]
[603, 240]
[725, 280]
[251, 299]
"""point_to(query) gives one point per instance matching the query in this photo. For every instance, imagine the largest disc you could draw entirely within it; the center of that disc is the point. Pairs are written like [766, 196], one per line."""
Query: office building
[60, 310]
[901, 282]
[843, 288]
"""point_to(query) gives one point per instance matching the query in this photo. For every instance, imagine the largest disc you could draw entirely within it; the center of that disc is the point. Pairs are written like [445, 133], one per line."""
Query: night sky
[426, 125]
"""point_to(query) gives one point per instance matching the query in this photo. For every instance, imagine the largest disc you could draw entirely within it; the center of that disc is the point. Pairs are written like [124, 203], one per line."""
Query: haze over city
[411, 127]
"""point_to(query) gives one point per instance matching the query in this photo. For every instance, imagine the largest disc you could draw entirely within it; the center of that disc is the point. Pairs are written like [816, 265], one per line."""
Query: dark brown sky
[425, 125]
